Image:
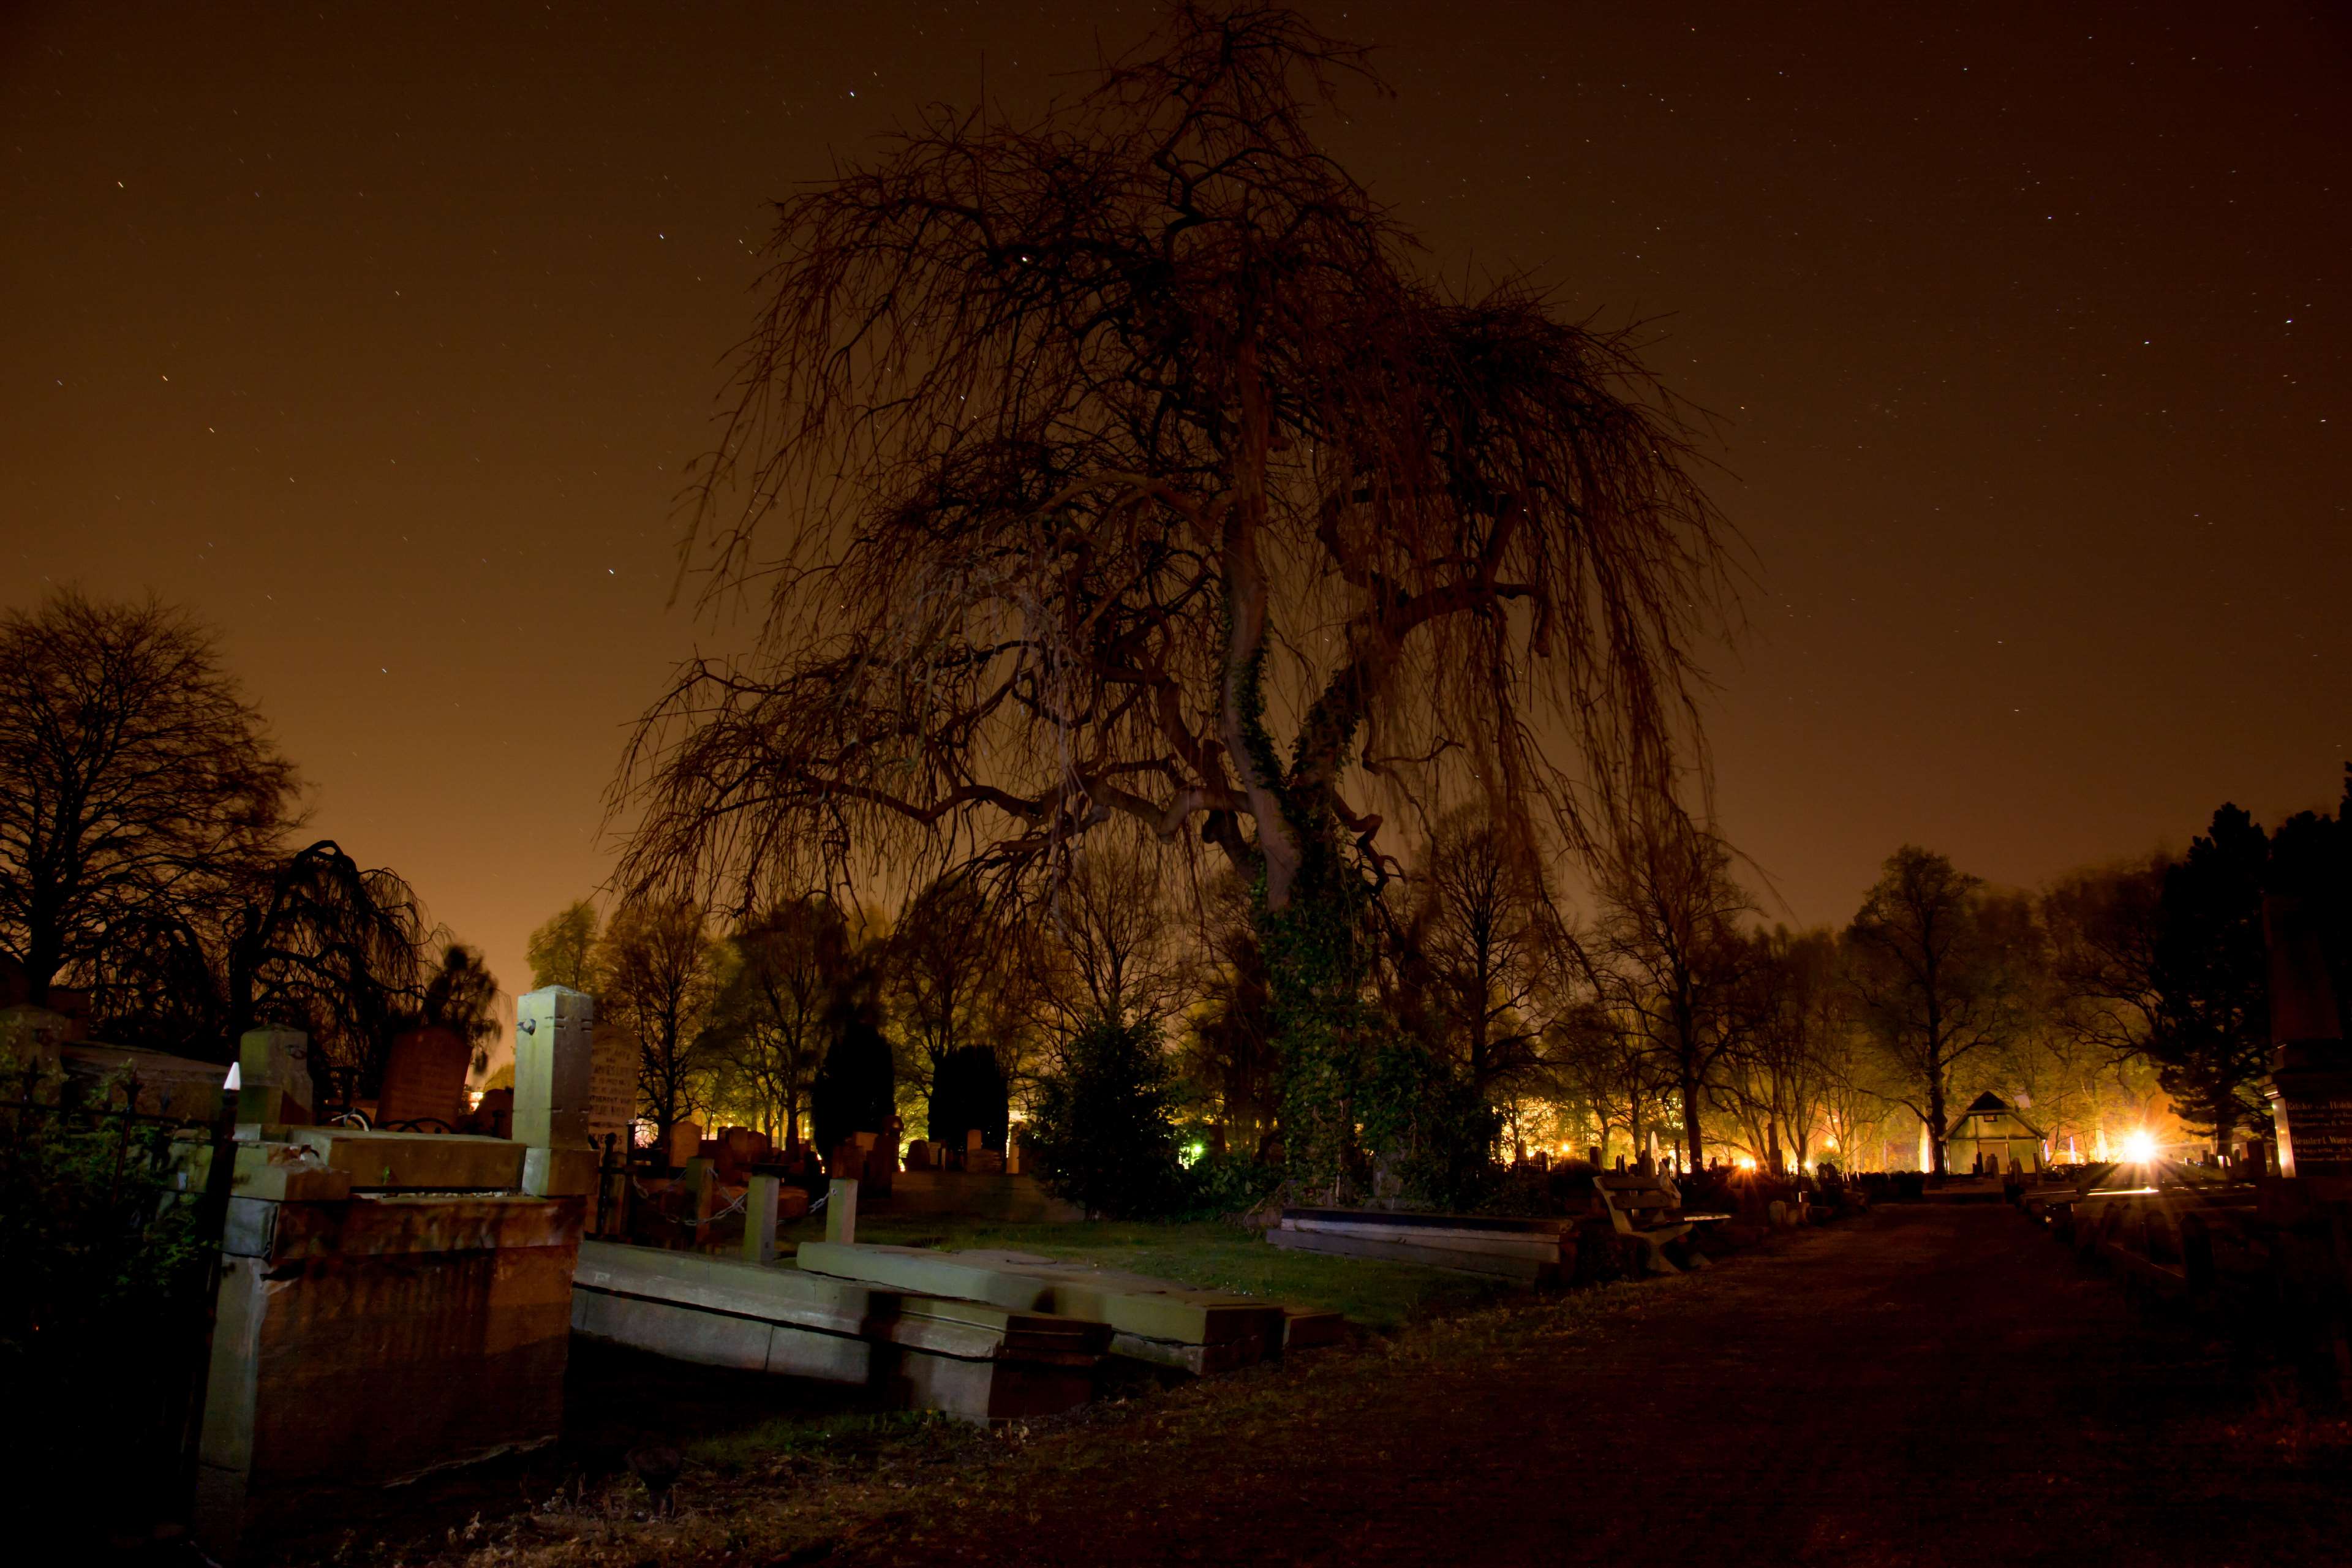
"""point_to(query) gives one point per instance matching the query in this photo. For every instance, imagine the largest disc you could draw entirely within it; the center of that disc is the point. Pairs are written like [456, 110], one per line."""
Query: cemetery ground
[1925, 1384]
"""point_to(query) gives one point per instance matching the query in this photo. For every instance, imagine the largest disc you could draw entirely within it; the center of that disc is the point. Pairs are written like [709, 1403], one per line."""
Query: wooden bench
[1649, 1209]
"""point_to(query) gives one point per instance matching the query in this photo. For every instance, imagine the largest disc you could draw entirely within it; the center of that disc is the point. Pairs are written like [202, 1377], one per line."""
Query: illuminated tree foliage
[1126, 463]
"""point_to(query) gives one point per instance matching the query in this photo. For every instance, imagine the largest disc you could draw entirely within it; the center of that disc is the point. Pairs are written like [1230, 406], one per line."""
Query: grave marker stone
[273, 1080]
[611, 1084]
[552, 1045]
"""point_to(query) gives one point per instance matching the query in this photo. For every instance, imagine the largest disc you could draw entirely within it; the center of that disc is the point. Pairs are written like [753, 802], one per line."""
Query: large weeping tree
[1130, 463]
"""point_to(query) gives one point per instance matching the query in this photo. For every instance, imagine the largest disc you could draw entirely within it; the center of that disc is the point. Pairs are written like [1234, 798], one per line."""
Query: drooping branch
[1126, 464]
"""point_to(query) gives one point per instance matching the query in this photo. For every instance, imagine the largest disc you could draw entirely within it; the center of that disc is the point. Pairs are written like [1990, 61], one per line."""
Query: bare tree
[1108, 937]
[1127, 463]
[335, 950]
[1601, 1061]
[138, 787]
[956, 978]
[1785, 1063]
[773, 1015]
[1940, 969]
[1483, 934]
[661, 976]
[1667, 955]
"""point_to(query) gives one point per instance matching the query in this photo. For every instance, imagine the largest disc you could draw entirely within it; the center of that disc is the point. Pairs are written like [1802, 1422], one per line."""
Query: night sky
[379, 336]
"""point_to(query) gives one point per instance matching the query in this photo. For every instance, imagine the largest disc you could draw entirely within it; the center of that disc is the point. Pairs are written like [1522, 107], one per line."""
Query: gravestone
[762, 1200]
[425, 1076]
[552, 1044]
[273, 1069]
[611, 1084]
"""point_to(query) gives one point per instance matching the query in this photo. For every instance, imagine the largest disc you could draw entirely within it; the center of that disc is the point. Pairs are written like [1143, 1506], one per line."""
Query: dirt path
[1929, 1386]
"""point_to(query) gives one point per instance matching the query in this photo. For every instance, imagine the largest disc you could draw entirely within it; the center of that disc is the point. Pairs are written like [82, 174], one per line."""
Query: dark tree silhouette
[955, 976]
[1481, 942]
[657, 964]
[968, 1094]
[461, 996]
[1668, 958]
[334, 951]
[137, 788]
[1129, 463]
[1939, 969]
[855, 1089]
[2210, 972]
[774, 1015]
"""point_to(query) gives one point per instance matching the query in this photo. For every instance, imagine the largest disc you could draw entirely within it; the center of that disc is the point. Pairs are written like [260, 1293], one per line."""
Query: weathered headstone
[841, 1210]
[611, 1084]
[553, 1041]
[425, 1078]
[273, 1080]
[762, 1200]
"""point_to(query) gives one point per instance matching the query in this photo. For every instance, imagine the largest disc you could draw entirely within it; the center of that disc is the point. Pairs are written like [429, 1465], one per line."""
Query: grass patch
[1213, 1253]
[839, 1435]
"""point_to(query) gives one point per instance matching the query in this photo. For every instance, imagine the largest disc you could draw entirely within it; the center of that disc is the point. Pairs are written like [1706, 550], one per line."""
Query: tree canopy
[1130, 462]
[139, 789]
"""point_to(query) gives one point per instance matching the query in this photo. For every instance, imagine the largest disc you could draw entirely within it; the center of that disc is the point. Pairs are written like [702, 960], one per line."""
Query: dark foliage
[855, 1089]
[99, 1268]
[1105, 1131]
[2210, 977]
[137, 785]
[1425, 1121]
[1220, 1185]
[968, 1092]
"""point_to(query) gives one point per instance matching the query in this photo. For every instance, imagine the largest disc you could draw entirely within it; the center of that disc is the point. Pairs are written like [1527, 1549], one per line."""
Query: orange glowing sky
[379, 339]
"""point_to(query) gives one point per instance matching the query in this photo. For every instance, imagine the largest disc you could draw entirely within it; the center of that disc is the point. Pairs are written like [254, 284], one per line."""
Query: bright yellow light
[1747, 1161]
[2139, 1148]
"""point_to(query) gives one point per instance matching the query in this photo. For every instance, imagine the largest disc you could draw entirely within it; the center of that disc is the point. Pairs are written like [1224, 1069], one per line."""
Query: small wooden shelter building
[1992, 1137]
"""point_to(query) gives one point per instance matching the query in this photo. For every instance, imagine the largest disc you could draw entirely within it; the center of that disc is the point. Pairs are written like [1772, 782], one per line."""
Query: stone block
[841, 1212]
[554, 1066]
[559, 1172]
[364, 1342]
[438, 1162]
[273, 1078]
